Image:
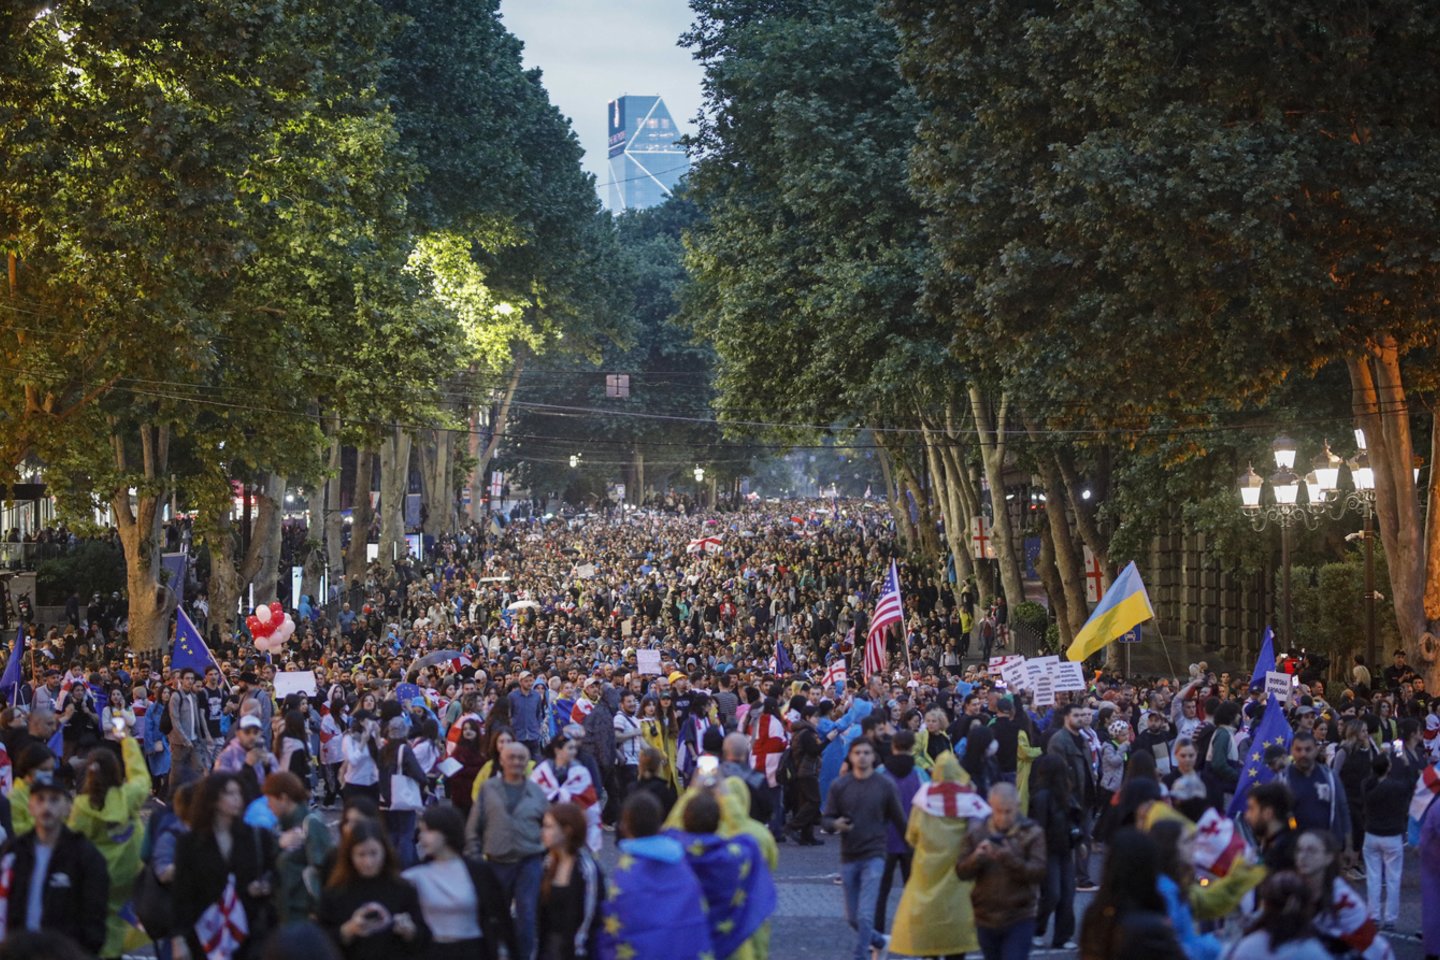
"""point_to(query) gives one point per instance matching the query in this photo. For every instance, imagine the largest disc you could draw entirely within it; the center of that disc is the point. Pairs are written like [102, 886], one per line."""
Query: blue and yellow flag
[1125, 605]
[653, 905]
[737, 884]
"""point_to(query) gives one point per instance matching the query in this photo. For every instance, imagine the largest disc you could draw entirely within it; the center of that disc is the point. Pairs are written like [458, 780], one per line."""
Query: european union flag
[190, 651]
[1266, 661]
[1273, 731]
[10, 679]
[783, 664]
[653, 905]
[738, 887]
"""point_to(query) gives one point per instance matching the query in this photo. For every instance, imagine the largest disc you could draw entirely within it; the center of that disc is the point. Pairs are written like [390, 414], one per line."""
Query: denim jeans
[520, 881]
[862, 891]
[1057, 897]
[1384, 859]
[400, 824]
[1006, 943]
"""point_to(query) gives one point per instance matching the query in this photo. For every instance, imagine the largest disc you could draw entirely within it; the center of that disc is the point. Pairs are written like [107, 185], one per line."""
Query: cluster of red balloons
[270, 626]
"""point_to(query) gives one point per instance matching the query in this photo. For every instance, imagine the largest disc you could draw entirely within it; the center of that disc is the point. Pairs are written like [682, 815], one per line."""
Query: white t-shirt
[35, 901]
[447, 899]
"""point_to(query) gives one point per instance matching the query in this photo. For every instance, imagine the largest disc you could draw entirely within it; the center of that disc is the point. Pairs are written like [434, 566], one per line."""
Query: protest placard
[1278, 683]
[294, 681]
[1069, 677]
[1014, 675]
[648, 661]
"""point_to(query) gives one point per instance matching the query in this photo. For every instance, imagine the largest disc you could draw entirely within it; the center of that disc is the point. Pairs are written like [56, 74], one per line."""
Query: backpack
[785, 771]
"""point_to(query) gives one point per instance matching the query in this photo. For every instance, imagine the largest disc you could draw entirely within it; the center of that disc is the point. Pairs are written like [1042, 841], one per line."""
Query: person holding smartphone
[368, 909]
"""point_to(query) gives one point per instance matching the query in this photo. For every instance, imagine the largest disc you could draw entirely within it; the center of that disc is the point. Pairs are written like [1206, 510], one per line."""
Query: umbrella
[430, 659]
[524, 605]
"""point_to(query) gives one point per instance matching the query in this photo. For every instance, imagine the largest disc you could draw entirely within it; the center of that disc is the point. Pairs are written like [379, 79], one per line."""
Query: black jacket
[77, 886]
[1387, 804]
[339, 903]
[201, 874]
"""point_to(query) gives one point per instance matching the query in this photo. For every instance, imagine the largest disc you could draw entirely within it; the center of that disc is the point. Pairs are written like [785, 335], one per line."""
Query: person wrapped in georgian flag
[566, 779]
[935, 916]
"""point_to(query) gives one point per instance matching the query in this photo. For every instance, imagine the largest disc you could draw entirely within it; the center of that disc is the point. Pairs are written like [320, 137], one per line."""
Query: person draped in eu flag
[654, 908]
[733, 874]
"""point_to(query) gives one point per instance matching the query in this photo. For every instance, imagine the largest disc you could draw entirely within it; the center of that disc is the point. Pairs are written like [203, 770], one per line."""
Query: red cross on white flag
[1094, 578]
[981, 545]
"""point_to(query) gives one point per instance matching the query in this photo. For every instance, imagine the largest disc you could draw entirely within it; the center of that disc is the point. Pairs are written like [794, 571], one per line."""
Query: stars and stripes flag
[835, 673]
[889, 609]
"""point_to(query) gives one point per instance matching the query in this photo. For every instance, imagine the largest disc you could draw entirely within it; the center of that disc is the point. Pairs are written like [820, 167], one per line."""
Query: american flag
[890, 609]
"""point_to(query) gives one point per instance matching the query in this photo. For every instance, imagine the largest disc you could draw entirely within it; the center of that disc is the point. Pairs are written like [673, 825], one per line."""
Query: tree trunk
[225, 579]
[928, 539]
[498, 425]
[438, 480]
[141, 536]
[333, 523]
[362, 515]
[265, 540]
[894, 494]
[394, 485]
[1412, 550]
[637, 496]
[1059, 600]
[992, 440]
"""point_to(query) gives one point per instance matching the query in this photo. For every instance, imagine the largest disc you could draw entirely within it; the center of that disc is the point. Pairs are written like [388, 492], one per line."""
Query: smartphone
[1397, 746]
[119, 724]
[707, 769]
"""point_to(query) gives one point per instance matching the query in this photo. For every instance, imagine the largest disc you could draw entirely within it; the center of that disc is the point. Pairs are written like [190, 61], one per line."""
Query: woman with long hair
[157, 744]
[292, 745]
[117, 709]
[334, 721]
[460, 899]
[1054, 808]
[107, 813]
[221, 854]
[1176, 841]
[1283, 931]
[566, 780]
[369, 911]
[659, 730]
[1127, 917]
[360, 767]
[571, 886]
[470, 754]
[1340, 915]
[402, 790]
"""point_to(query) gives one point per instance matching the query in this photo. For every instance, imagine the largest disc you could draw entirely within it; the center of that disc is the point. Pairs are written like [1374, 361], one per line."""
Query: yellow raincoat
[116, 830]
[735, 820]
[935, 917]
[1024, 756]
[654, 734]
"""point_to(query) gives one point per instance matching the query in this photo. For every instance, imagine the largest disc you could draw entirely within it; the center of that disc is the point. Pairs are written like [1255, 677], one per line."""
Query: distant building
[646, 160]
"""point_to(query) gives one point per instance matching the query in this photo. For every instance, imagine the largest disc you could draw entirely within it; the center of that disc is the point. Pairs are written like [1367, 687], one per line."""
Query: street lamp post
[1323, 497]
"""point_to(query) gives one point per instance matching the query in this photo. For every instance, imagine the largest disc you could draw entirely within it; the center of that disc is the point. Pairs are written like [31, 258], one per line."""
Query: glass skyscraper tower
[646, 160]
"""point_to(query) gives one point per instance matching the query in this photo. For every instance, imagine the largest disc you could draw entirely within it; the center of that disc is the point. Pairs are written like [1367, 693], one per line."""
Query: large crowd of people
[592, 736]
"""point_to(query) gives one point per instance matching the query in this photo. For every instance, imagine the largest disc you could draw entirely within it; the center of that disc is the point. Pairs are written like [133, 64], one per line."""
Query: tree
[1237, 188]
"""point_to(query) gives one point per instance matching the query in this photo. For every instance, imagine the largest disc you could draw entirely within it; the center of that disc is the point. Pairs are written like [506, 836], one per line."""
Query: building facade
[646, 160]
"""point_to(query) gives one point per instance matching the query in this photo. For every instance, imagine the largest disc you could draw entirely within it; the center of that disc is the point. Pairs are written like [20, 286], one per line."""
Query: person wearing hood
[107, 813]
[737, 883]
[653, 906]
[935, 917]
[900, 767]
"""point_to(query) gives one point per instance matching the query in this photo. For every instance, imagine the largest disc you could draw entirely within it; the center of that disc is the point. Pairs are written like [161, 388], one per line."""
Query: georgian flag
[1426, 789]
[952, 800]
[835, 673]
[581, 710]
[704, 545]
[223, 928]
[1217, 843]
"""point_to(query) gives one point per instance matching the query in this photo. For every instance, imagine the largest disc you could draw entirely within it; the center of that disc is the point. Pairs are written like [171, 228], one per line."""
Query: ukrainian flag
[1124, 605]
